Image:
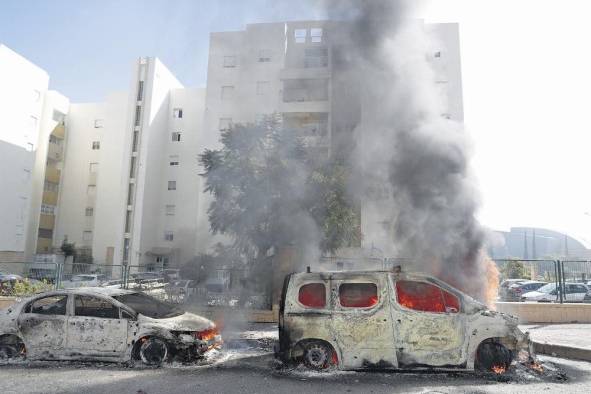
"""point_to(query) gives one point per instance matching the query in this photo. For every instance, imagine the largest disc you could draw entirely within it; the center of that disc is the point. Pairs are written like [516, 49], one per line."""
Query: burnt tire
[317, 355]
[491, 356]
[11, 347]
[153, 351]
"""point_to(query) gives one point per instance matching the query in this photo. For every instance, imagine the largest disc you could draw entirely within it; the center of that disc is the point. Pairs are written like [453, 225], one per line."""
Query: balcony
[46, 221]
[52, 174]
[55, 151]
[304, 73]
[49, 197]
[59, 131]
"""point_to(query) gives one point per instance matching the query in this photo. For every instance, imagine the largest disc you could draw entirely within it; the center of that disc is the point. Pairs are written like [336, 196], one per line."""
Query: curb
[562, 351]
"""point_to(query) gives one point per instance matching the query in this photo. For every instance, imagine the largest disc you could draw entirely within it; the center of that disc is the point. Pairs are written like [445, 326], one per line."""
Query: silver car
[104, 324]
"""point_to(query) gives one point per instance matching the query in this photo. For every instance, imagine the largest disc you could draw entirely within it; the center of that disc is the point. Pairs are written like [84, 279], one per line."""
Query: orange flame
[498, 369]
[492, 281]
[536, 366]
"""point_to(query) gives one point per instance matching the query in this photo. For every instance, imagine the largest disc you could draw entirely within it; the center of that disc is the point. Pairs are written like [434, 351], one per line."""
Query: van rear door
[361, 321]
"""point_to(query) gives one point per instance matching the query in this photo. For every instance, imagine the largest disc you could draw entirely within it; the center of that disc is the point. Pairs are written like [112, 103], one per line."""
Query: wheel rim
[153, 351]
[317, 356]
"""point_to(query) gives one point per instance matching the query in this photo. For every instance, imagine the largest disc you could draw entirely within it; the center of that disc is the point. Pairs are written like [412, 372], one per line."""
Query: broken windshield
[149, 306]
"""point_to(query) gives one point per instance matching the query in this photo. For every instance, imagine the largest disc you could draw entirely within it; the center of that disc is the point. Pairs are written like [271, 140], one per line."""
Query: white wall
[22, 89]
[76, 176]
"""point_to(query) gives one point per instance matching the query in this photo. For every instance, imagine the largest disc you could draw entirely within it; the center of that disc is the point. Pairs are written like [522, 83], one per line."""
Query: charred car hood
[185, 322]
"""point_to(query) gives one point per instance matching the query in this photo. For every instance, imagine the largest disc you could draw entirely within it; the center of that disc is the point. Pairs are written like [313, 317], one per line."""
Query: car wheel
[10, 351]
[317, 355]
[153, 351]
[493, 357]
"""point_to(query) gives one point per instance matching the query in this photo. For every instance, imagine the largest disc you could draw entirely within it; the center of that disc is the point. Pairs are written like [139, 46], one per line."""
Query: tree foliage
[270, 190]
[515, 269]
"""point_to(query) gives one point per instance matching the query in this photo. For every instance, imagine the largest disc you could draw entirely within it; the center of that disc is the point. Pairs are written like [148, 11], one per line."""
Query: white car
[103, 324]
[574, 292]
[84, 280]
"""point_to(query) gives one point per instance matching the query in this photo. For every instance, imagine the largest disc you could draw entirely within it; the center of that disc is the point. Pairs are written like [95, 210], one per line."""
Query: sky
[526, 69]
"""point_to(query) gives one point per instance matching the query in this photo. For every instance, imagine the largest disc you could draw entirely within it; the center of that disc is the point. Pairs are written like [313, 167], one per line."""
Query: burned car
[368, 320]
[104, 324]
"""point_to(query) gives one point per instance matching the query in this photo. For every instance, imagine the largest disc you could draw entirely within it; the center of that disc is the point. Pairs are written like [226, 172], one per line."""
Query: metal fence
[555, 271]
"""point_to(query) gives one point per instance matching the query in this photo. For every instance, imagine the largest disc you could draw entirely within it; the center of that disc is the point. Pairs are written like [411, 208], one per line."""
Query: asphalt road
[248, 367]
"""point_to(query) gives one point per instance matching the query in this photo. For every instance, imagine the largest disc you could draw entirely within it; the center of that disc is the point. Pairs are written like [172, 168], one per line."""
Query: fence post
[58, 275]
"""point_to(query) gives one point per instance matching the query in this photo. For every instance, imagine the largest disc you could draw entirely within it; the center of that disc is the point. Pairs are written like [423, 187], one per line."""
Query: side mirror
[451, 309]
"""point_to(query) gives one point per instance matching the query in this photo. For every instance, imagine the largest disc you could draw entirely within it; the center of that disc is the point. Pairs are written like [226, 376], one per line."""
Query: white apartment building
[130, 183]
[31, 157]
[298, 69]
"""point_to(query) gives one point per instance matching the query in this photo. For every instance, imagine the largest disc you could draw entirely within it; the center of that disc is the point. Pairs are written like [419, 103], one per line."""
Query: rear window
[358, 295]
[425, 297]
[313, 295]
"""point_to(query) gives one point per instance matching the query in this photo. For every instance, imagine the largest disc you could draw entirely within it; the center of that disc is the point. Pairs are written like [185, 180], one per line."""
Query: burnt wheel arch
[11, 346]
[491, 352]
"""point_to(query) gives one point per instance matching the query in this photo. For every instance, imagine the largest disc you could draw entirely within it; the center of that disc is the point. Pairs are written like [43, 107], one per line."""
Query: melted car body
[103, 324]
[359, 320]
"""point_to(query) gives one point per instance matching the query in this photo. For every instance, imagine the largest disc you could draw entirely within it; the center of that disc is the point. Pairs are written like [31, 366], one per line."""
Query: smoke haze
[412, 163]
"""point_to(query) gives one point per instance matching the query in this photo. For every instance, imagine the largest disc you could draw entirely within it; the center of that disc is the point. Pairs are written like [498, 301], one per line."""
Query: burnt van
[391, 320]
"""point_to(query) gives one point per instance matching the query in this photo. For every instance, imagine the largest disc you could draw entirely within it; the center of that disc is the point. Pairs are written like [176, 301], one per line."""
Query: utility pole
[525, 253]
[533, 245]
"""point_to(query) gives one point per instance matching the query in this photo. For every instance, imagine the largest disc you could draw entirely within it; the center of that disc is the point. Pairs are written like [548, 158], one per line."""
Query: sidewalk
[563, 340]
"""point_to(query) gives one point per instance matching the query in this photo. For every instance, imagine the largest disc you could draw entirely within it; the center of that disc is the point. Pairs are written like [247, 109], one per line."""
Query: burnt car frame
[368, 320]
[103, 324]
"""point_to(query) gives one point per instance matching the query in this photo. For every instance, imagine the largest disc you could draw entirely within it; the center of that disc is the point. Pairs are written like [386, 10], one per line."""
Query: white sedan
[574, 292]
[103, 324]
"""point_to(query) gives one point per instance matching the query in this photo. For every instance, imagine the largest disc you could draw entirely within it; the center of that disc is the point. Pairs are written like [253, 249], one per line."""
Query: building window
[26, 175]
[47, 209]
[89, 211]
[132, 167]
[316, 34]
[171, 185]
[225, 124]
[174, 160]
[227, 92]
[36, 95]
[91, 190]
[264, 55]
[138, 115]
[45, 233]
[140, 90]
[300, 35]
[50, 186]
[128, 221]
[176, 136]
[437, 54]
[263, 88]
[87, 236]
[96, 145]
[170, 210]
[98, 123]
[305, 90]
[168, 236]
[130, 194]
[93, 167]
[30, 147]
[316, 56]
[229, 61]
[177, 113]
[135, 141]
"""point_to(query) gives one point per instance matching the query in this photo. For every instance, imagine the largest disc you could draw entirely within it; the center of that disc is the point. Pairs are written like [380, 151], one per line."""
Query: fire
[536, 366]
[498, 369]
[492, 283]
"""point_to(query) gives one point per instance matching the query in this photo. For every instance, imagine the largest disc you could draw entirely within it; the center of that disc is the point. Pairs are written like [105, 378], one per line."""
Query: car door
[95, 327]
[429, 327]
[575, 293]
[42, 324]
[361, 321]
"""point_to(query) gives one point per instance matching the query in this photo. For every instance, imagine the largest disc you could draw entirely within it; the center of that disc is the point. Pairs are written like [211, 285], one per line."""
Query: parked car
[515, 291]
[140, 276]
[574, 292]
[504, 286]
[368, 319]
[103, 324]
[84, 280]
[179, 291]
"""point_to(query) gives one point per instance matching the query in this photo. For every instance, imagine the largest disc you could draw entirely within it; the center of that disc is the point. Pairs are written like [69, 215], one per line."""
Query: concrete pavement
[562, 340]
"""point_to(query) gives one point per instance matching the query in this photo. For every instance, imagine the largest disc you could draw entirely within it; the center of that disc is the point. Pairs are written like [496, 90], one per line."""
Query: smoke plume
[411, 161]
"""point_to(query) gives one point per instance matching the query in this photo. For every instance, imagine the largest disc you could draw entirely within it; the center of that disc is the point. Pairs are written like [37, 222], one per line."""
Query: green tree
[515, 269]
[270, 190]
